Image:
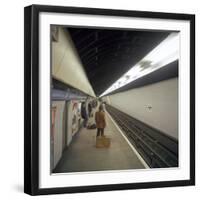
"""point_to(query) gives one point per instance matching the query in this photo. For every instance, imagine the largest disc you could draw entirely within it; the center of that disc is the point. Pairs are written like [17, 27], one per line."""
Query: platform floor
[82, 155]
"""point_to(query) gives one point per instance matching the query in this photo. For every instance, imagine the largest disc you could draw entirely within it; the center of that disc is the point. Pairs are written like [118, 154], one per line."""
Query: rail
[156, 148]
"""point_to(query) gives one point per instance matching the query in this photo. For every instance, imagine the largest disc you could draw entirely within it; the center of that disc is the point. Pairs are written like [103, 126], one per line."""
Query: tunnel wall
[66, 64]
[155, 105]
[58, 131]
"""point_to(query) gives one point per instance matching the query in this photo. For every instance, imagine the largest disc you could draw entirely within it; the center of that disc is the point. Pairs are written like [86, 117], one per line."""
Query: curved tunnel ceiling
[107, 54]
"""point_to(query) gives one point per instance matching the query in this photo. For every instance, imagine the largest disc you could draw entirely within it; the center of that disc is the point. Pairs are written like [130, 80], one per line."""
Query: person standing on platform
[84, 114]
[100, 121]
[89, 108]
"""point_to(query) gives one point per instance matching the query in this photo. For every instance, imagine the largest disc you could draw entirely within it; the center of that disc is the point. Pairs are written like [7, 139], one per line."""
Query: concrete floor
[82, 155]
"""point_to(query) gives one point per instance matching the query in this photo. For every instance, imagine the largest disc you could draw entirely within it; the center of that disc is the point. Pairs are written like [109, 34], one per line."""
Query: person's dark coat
[83, 112]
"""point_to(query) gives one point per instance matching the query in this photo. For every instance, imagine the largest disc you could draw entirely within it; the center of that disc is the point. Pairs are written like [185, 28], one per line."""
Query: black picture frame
[31, 98]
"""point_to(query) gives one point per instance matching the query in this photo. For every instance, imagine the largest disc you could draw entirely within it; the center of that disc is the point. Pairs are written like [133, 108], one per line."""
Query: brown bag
[102, 142]
[106, 142]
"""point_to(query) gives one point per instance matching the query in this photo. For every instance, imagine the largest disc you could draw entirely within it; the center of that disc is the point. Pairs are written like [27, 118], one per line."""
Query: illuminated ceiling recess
[166, 52]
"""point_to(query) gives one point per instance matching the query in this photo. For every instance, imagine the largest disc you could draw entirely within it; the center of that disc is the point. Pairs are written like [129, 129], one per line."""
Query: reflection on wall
[66, 64]
[155, 105]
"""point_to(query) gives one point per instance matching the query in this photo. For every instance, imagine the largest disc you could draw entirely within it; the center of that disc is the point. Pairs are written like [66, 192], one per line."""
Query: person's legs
[84, 123]
[102, 131]
[98, 132]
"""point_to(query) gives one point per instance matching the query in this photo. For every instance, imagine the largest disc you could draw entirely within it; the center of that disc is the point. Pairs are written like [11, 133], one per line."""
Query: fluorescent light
[166, 52]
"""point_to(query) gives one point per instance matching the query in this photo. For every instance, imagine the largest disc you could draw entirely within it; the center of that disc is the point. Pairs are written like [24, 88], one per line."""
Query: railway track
[156, 148]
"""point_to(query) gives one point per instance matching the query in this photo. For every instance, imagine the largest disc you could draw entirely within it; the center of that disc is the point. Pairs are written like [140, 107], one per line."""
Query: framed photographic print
[109, 99]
